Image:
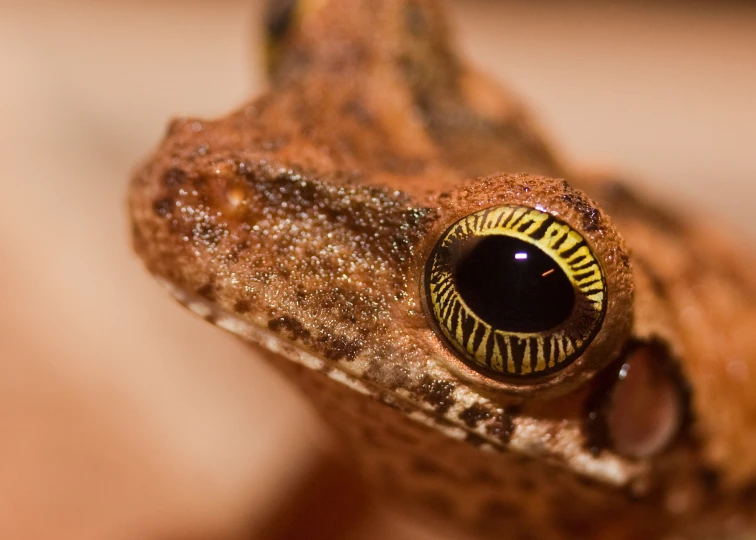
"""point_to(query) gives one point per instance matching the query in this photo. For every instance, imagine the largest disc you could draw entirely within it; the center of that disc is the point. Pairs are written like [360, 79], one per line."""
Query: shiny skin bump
[533, 301]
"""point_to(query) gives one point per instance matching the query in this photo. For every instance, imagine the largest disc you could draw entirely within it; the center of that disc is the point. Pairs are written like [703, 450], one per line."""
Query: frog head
[479, 337]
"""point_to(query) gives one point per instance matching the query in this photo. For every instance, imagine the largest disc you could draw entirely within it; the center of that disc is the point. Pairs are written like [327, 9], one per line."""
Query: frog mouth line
[608, 469]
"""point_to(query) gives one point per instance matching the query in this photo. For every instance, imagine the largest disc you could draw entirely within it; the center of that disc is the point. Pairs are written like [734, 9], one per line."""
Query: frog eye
[516, 293]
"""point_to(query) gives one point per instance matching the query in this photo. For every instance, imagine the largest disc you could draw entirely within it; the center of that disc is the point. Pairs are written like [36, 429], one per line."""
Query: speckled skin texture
[303, 221]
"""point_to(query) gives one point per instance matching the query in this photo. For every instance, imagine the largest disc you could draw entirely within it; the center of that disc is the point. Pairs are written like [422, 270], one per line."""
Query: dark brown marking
[207, 291]
[437, 393]
[163, 207]
[474, 414]
[336, 348]
[173, 178]
[590, 214]
[242, 307]
[501, 428]
[711, 478]
[289, 327]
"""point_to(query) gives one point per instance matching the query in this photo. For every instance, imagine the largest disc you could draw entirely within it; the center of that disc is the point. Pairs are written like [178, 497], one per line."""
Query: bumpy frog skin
[304, 223]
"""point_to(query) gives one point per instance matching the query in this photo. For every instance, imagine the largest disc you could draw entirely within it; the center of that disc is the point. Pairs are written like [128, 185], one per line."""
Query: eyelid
[520, 357]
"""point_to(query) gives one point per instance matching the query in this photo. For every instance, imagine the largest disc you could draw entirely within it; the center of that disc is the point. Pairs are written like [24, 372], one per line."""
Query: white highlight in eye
[521, 256]
[623, 371]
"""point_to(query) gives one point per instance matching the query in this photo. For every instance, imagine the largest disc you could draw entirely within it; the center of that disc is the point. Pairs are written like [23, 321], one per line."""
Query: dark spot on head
[591, 220]
[174, 177]
[289, 327]
[163, 207]
[501, 428]
[207, 291]
[589, 213]
[514, 410]
[242, 307]
[336, 348]
[474, 414]
[208, 232]
[710, 478]
[437, 393]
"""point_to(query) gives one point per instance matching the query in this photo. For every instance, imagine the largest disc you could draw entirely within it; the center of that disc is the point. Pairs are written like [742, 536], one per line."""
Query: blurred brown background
[121, 415]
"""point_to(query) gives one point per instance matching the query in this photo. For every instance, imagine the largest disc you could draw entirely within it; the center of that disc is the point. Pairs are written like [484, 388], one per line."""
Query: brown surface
[121, 415]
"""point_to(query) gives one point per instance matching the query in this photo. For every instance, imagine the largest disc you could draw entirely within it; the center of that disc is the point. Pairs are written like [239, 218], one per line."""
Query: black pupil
[513, 286]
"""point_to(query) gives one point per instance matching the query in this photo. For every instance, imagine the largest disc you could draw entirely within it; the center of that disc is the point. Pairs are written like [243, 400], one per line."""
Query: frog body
[304, 222]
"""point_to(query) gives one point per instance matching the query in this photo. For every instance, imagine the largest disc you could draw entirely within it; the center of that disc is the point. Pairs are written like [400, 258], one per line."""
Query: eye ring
[480, 313]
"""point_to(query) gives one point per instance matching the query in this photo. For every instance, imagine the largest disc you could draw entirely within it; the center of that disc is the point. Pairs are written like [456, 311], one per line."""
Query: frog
[500, 341]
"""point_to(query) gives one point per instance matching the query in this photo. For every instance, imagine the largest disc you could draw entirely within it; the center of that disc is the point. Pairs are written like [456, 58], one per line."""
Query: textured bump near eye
[516, 292]
[643, 411]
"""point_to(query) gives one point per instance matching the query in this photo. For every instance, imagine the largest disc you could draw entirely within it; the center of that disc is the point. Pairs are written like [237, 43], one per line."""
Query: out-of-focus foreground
[121, 415]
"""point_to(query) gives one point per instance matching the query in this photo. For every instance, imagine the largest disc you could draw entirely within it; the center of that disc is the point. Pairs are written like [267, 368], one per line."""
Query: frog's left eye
[517, 293]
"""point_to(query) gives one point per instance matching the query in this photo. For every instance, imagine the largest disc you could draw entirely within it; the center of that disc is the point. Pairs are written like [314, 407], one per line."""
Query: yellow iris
[517, 293]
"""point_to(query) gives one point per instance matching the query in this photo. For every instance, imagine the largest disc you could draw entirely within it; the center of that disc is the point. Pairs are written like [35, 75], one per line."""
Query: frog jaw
[559, 442]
